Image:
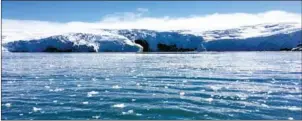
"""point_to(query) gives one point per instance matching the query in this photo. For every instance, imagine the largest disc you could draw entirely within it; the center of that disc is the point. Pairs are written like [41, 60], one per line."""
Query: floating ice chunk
[138, 114]
[290, 118]
[96, 117]
[209, 99]
[133, 100]
[116, 87]
[58, 89]
[184, 81]
[181, 93]
[35, 109]
[47, 87]
[166, 87]
[215, 88]
[8, 105]
[107, 79]
[128, 112]
[294, 108]
[94, 79]
[264, 105]
[122, 105]
[55, 101]
[79, 85]
[137, 84]
[21, 114]
[89, 94]
[85, 103]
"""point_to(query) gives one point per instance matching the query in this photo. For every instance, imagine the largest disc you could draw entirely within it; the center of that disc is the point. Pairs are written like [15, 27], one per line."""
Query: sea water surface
[208, 85]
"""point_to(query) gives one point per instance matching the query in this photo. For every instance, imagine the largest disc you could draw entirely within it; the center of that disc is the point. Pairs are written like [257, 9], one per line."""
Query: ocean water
[208, 85]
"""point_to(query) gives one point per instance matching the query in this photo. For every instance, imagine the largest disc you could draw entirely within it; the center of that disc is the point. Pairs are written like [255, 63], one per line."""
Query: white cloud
[137, 20]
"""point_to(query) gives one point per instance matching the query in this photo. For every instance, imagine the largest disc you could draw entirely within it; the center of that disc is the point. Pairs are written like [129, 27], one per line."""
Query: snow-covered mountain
[260, 37]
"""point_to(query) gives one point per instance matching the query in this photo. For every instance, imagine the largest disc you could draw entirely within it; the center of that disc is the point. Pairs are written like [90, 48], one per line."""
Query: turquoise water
[209, 85]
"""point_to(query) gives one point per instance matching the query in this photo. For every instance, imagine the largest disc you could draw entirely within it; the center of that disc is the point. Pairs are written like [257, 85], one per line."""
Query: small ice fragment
[21, 114]
[215, 88]
[8, 105]
[47, 87]
[89, 94]
[122, 105]
[137, 84]
[55, 101]
[264, 105]
[184, 81]
[58, 89]
[166, 87]
[209, 99]
[79, 85]
[116, 87]
[294, 108]
[130, 111]
[290, 118]
[37, 77]
[35, 109]
[96, 117]
[107, 79]
[93, 79]
[85, 103]
[133, 100]
[50, 79]
[138, 114]
[181, 93]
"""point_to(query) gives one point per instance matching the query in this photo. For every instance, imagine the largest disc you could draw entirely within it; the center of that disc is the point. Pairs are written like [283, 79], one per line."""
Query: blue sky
[91, 11]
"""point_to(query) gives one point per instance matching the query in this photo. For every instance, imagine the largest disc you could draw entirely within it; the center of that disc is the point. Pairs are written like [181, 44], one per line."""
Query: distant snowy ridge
[269, 37]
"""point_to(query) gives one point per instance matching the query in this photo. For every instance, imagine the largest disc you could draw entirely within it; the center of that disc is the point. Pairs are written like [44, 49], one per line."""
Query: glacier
[262, 37]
